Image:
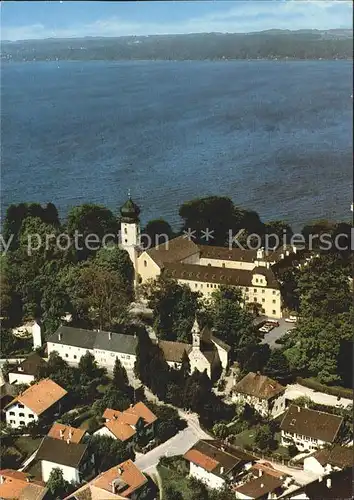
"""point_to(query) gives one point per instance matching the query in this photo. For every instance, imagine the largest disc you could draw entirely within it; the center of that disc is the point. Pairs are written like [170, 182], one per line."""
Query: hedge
[317, 386]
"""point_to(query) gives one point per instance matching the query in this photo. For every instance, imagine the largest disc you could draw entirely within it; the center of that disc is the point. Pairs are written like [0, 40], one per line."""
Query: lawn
[178, 482]
[246, 440]
[27, 445]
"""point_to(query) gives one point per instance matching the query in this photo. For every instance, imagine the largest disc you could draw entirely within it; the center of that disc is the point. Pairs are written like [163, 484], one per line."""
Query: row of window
[30, 415]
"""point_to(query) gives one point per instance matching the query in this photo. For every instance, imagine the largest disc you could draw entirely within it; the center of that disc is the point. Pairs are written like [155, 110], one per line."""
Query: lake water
[274, 136]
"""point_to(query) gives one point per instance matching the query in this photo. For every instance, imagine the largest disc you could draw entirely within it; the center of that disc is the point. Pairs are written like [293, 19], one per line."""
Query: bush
[333, 391]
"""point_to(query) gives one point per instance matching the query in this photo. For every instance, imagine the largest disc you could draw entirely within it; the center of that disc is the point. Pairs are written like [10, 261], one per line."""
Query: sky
[65, 19]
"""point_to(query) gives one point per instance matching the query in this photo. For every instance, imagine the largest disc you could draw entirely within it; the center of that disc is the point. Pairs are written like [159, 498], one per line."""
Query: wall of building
[20, 378]
[147, 267]
[269, 298]
[69, 353]
[301, 442]
[69, 473]
[18, 415]
[313, 466]
[223, 355]
[199, 362]
[211, 480]
[228, 264]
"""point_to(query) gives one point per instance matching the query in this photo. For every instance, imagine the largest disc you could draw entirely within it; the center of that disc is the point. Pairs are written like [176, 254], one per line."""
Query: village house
[27, 371]
[336, 485]
[123, 481]
[67, 432]
[260, 392]
[205, 268]
[73, 343]
[265, 487]
[43, 398]
[30, 329]
[134, 423]
[71, 458]
[326, 460]
[16, 485]
[309, 429]
[206, 352]
[216, 464]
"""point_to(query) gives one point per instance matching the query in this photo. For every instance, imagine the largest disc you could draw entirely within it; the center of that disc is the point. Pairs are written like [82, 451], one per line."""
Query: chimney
[59, 336]
[120, 471]
[258, 373]
[262, 485]
[110, 335]
[329, 483]
[287, 252]
[221, 470]
[27, 479]
[298, 409]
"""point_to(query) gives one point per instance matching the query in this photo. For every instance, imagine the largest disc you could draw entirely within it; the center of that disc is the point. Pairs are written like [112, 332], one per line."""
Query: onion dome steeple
[130, 211]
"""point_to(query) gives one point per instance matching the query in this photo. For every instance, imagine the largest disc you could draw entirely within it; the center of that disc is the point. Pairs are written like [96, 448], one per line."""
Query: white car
[291, 319]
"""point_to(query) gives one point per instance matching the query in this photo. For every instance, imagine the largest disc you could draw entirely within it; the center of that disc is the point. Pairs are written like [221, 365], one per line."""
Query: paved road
[177, 445]
[294, 391]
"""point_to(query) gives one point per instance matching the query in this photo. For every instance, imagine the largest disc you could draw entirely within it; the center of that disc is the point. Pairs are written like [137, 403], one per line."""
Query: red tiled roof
[200, 459]
[65, 432]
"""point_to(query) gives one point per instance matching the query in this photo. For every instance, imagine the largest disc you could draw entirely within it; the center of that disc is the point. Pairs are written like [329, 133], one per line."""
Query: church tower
[130, 229]
[196, 335]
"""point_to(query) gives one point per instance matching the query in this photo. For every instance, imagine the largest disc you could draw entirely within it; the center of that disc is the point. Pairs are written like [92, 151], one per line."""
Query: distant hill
[271, 44]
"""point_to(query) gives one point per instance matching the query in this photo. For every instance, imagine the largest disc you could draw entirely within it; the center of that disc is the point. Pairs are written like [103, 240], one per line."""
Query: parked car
[291, 319]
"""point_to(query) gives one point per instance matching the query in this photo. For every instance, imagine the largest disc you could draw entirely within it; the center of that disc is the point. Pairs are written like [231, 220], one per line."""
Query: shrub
[317, 386]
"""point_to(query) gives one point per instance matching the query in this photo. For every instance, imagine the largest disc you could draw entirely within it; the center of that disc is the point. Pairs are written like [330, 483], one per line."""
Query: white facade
[36, 335]
[272, 407]
[208, 478]
[301, 442]
[312, 465]
[105, 359]
[20, 378]
[18, 415]
[70, 474]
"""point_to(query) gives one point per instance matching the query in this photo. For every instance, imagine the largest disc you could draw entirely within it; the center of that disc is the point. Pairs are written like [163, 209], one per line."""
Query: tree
[108, 452]
[5, 370]
[120, 377]
[57, 485]
[117, 261]
[101, 296]
[277, 366]
[174, 307]
[90, 219]
[170, 493]
[277, 229]
[88, 366]
[264, 438]
[156, 228]
[221, 430]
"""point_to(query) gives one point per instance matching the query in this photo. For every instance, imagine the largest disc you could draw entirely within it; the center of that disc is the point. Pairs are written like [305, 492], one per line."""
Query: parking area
[276, 333]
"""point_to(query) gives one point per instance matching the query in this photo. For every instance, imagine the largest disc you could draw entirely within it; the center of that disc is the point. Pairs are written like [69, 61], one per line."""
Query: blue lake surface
[275, 136]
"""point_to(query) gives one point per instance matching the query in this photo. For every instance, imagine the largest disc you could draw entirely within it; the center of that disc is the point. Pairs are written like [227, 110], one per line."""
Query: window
[20, 405]
[21, 414]
[22, 422]
[274, 301]
[274, 311]
[255, 290]
[255, 299]
[201, 286]
[263, 300]
[246, 288]
[125, 230]
[207, 285]
[31, 415]
[145, 263]
[274, 292]
[12, 413]
[256, 280]
[66, 355]
[196, 285]
[12, 421]
[263, 310]
[75, 356]
[126, 241]
[209, 264]
[263, 291]
[223, 265]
